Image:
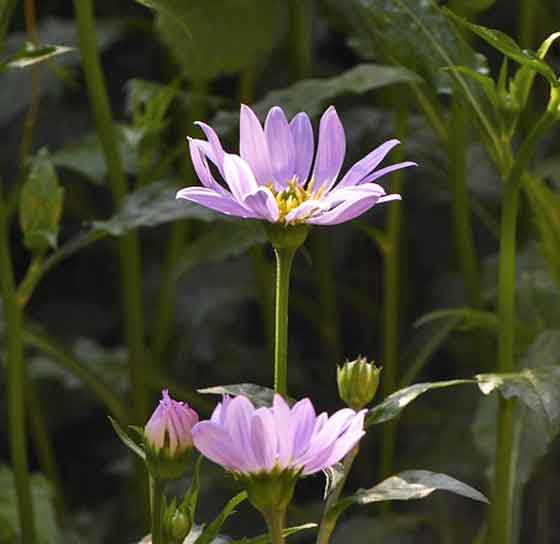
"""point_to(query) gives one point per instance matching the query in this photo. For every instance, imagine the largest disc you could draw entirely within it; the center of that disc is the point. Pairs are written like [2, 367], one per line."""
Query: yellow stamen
[292, 196]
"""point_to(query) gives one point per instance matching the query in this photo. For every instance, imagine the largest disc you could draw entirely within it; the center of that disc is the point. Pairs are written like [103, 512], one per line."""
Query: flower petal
[348, 439]
[200, 150]
[302, 133]
[330, 151]
[238, 424]
[388, 170]
[352, 208]
[284, 430]
[215, 144]
[263, 204]
[210, 199]
[368, 164]
[215, 443]
[304, 418]
[239, 177]
[253, 147]
[280, 146]
[306, 209]
[263, 439]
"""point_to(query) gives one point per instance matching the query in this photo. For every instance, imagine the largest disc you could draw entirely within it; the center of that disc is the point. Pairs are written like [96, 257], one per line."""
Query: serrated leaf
[43, 510]
[127, 440]
[257, 394]
[506, 45]
[414, 484]
[265, 539]
[40, 206]
[394, 404]
[211, 531]
[538, 389]
[209, 39]
[31, 54]
[153, 205]
[312, 95]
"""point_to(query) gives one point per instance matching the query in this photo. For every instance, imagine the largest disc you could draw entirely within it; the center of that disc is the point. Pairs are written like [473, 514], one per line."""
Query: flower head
[168, 436]
[252, 442]
[357, 382]
[272, 179]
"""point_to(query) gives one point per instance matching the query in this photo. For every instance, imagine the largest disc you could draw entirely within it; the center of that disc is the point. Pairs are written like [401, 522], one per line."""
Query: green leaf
[32, 54]
[40, 206]
[43, 510]
[212, 530]
[311, 95]
[153, 205]
[469, 318]
[265, 539]
[506, 45]
[209, 39]
[487, 84]
[220, 242]
[127, 440]
[394, 404]
[538, 389]
[258, 395]
[411, 485]
[190, 500]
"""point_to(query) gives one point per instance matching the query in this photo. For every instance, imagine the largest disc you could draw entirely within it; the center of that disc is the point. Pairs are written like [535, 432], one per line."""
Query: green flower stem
[501, 522]
[129, 249]
[461, 216]
[528, 13]
[328, 521]
[284, 259]
[300, 37]
[163, 324]
[391, 308]
[275, 521]
[16, 384]
[156, 504]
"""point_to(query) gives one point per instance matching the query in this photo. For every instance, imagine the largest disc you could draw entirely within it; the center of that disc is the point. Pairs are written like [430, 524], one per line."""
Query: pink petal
[263, 439]
[215, 144]
[253, 147]
[200, 150]
[211, 199]
[302, 133]
[388, 170]
[263, 204]
[239, 177]
[215, 443]
[280, 145]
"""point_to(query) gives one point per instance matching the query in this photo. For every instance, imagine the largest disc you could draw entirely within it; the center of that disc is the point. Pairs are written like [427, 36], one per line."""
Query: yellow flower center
[292, 196]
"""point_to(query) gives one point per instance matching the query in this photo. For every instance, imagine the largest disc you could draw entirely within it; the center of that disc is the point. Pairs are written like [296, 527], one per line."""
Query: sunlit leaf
[153, 205]
[312, 95]
[43, 510]
[259, 396]
[265, 539]
[40, 205]
[31, 55]
[506, 45]
[394, 404]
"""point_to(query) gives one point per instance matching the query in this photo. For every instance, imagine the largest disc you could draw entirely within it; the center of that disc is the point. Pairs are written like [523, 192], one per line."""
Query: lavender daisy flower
[247, 441]
[270, 178]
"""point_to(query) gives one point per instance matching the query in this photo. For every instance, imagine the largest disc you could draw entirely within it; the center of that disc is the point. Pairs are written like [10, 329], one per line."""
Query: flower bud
[357, 382]
[178, 526]
[168, 438]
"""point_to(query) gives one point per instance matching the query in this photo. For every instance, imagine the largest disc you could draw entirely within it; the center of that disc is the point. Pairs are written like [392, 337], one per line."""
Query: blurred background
[141, 293]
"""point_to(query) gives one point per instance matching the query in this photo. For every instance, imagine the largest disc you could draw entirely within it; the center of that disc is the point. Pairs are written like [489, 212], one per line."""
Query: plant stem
[328, 523]
[129, 246]
[284, 259]
[275, 521]
[156, 503]
[528, 13]
[300, 37]
[501, 523]
[129, 250]
[391, 308]
[16, 383]
[163, 324]
[462, 225]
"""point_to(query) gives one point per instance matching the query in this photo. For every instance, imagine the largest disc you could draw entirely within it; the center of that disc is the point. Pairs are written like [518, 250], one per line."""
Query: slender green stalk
[391, 308]
[129, 248]
[284, 259]
[328, 522]
[501, 522]
[163, 324]
[462, 224]
[275, 522]
[16, 384]
[300, 37]
[528, 13]
[156, 504]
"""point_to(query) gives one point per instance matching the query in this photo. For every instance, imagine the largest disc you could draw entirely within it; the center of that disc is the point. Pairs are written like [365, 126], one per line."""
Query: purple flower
[270, 178]
[249, 441]
[170, 427]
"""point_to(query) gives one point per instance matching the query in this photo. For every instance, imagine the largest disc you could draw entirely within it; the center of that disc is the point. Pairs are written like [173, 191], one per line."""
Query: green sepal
[286, 236]
[40, 205]
[164, 465]
[134, 445]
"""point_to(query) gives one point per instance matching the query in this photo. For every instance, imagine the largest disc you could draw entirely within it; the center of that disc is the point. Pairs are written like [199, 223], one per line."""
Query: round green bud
[357, 382]
[179, 526]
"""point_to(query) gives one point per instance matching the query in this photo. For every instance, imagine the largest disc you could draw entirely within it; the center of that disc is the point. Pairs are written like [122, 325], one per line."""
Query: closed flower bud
[357, 382]
[168, 438]
[179, 526]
